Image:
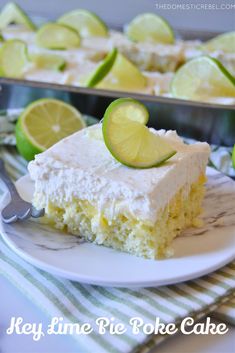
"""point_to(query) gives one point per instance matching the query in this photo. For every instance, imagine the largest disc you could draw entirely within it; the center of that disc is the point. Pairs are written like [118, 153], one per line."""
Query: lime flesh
[43, 123]
[129, 140]
[48, 61]
[149, 27]
[102, 70]
[123, 76]
[224, 42]
[12, 13]
[57, 36]
[202, 78]
[86, 23]
[13, 58]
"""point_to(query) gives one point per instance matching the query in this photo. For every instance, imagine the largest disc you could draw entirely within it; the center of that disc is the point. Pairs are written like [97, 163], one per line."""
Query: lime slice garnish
[129, 140]
[149, 27]
[13, 58]
[48, 61]
[57, 36]
[224, 42]
[102, 69]
[12, 13]
[86, 23]
[122, 76]
[202, 78]
[233, 157]
[43, 123]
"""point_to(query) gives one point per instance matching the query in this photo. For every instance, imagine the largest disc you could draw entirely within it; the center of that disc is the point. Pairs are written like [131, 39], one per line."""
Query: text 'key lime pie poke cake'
[121, 184]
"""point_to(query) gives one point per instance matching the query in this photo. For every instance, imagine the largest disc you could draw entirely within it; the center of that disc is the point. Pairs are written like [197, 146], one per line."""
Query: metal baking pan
[214, 123]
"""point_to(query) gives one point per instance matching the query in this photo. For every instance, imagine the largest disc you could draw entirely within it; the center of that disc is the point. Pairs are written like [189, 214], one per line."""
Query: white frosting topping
[81, 166]
[159, 82]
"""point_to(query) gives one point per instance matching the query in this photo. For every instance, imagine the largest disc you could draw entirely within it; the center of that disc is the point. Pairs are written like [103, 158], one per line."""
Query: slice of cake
[86, 192]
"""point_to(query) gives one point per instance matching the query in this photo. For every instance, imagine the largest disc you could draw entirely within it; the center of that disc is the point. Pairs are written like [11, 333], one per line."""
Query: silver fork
[17, 209]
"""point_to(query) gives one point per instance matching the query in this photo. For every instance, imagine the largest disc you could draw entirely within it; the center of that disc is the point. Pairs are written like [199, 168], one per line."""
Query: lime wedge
[202, 78]
[48, 61]
[122, 76]
[102, 69]
[129, 140]
[43, 123]
[86, 23]
[13, 58]
[57, 36]
[233, 157]
[224, 42]
[149, 27]
[12, 13]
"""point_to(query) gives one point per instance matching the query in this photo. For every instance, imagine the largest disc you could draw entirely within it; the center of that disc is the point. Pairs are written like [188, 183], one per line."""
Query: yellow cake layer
[126, 233]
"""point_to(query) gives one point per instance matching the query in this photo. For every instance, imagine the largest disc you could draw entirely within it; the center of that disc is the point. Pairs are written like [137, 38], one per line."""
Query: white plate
[197, 252]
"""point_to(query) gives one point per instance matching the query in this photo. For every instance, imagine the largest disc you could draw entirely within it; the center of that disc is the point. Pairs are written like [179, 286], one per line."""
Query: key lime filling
[124, 232]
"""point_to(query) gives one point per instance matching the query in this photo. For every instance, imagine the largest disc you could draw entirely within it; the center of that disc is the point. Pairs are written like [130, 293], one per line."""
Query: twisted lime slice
[102, 69]
[57, 36]
[149, 27]
[86, 23]
[117, 73]
[43, 123]
[13, 58]
[12, 13]
[202, 78]
[224, 42]
[123, 76]
[48, 61]
[129, 140]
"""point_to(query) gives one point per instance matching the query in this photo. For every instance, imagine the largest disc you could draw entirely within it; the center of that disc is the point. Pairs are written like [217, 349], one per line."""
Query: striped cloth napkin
[211, 295]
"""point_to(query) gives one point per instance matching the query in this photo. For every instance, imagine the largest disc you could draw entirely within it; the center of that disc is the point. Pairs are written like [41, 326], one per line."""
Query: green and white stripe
[83, 303]
[226, 312]
[210, 295]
